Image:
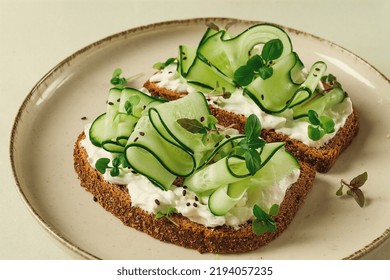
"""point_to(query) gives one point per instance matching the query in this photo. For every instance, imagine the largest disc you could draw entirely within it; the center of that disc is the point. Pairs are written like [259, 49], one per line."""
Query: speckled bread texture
[321, 159]
[219, 240]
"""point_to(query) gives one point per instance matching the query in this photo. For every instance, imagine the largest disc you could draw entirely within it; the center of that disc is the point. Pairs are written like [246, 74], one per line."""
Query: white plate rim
[136, 30]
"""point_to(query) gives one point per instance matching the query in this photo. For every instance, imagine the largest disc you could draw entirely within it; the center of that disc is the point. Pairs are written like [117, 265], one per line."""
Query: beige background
[36, 35]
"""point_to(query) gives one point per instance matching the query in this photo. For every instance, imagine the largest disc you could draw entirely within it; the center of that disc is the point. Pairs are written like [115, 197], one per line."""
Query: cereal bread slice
[219, 240]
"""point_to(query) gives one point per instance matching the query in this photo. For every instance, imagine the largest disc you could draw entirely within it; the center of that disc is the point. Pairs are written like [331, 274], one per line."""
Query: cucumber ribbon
[212, 64]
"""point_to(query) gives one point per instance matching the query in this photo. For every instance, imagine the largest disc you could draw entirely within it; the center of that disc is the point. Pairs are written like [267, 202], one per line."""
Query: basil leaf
[265, 72]
[252, 127]
[255, 62]
[273, 49]
[244, 75]
[192, 125]
[252, 161]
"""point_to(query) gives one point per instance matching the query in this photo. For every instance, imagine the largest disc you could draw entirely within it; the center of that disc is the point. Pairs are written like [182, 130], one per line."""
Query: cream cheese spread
[239, 103]
[144, 194]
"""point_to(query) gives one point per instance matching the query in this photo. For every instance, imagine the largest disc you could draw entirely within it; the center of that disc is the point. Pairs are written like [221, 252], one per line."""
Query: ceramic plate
[74, 92]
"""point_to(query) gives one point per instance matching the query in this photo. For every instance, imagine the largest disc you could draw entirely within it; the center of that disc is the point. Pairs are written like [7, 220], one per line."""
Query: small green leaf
[211, 121]
[102, 164]
[159, 215]
[255, 62]
[259, 227]
[274, 210]
[192, 125]
[265, 72]
[244, 75]
[252, 127]
[327, 124]
[313, 117]
[340, 190]
[158, 65]
[114, 171]
[259, 213]
[117, 72]
[359, 180]
[314, 133]
[256, 143]
[272, 50]
[252, 161]
[128, 107]
[358, 196]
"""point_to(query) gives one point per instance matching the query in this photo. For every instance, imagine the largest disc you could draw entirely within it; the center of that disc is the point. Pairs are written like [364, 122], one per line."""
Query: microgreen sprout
[170, 210]
[197, 127]
[263, 221]
[131, 103]
[259, 65]
[354, 188]
[162, 65]
[248, 146]
[102, 164]
[319, 125]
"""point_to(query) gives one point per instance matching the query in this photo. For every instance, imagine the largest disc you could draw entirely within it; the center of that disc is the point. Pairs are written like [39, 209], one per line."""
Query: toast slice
[321, 159]
[219, 240]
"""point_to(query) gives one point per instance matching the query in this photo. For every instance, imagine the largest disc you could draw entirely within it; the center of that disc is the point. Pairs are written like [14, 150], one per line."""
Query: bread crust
[188, 234]
[321, 159]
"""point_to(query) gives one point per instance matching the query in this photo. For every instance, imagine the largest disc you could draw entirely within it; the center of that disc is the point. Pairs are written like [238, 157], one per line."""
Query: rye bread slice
[188, 234]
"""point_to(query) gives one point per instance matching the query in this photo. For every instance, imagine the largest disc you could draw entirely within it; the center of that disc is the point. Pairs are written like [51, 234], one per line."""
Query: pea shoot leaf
[272, 50]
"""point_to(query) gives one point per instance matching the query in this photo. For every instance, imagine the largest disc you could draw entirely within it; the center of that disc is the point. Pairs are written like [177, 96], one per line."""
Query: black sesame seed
[185, 187]
[262, 97]
[195, 205]
[110, 103]
[184, 192]
[227, 136]
[84, 118]
[317, 69]
[118, 100]
[141, 133]
[196, 198]
[188, 204]
[202, 119]
[136, 138]
[157, 201]
[95, 199]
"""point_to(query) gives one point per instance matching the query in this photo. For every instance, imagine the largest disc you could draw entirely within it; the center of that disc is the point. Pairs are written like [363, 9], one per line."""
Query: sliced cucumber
[159, 160]
[124, 108]
[227, 53]
[320, 103]
[277, 167]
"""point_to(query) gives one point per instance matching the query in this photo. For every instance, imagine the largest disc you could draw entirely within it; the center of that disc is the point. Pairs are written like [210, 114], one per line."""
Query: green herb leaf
[252, 161]
[255, 62]
[327, 124]
[192, 125]
[266, 72]
[162, 65]
[272, 50]
[340, 190]
[101, 165]
[244, 75]
[313, 117]
[314, 132]
[358, 196]
[274, 210]
[259, 227]
[252, 127]
[114, 171]
[263, 222]
[359, 180]
[128, 107]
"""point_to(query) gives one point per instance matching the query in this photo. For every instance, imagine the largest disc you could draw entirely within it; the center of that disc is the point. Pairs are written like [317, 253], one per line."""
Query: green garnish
[170, 210]
[162, 65]
[259, 66]
[102, 164]
[131, 103]
[263, 222]
[248, 147]
[196, 126]
[319, 125]
[354, 188]
[117, 80]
